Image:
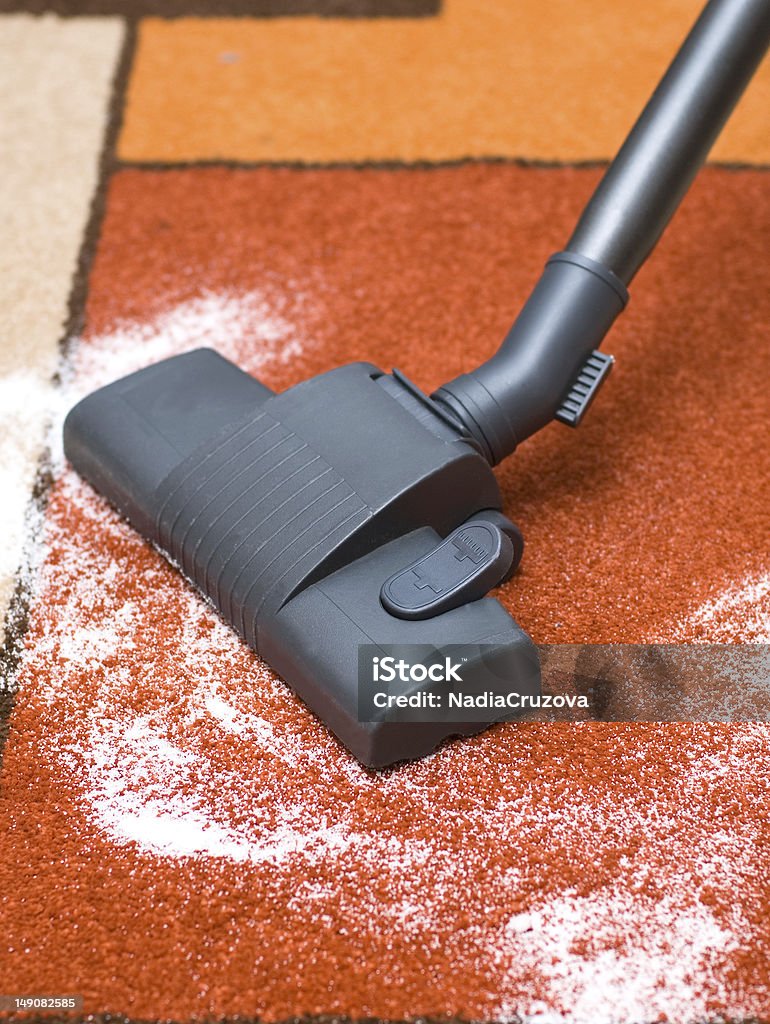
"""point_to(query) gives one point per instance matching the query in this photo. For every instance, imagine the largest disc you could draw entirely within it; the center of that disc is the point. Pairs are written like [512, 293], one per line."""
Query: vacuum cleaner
[355, 513]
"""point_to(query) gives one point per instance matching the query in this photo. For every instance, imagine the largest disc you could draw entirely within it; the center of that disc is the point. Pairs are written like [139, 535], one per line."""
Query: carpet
[304, 184]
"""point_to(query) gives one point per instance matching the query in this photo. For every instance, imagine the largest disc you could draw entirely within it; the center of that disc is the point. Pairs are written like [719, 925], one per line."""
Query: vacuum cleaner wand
[352, 519]
[547, 365]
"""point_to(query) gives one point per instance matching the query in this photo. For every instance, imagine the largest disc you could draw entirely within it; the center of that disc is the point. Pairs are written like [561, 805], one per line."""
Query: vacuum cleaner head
[348, 513]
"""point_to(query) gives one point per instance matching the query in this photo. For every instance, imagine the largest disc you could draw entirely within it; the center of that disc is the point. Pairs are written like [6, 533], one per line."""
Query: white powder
[617, 958]
[248, 328]
[142, 790]
[741, 613]
[26, 401]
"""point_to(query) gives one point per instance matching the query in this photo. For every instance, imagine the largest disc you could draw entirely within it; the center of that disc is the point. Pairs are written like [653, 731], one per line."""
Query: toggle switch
[464, 567]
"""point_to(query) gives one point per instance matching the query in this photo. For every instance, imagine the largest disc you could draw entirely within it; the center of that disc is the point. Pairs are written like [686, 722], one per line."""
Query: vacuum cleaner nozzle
[311, 544]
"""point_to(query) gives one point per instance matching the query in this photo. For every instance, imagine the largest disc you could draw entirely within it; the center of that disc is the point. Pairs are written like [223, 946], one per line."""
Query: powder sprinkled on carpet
[580, 873]
[740, 613]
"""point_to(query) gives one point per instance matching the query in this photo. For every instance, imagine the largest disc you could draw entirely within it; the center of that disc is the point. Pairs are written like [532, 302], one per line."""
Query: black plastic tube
[519, 389]
[582, 290]
[656, 164]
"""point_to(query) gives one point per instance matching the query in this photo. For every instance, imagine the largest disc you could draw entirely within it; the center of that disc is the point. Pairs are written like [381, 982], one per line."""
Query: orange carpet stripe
[561, 82]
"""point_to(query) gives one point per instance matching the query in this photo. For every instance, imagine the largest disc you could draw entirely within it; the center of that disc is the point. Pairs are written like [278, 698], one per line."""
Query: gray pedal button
[462, 568]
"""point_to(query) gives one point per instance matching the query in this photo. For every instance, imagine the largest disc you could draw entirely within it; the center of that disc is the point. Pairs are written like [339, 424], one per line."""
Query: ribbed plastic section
[246, 515]
[583, 391]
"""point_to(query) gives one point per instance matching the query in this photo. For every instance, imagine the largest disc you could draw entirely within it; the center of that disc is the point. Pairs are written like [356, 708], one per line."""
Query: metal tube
[656, 164]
